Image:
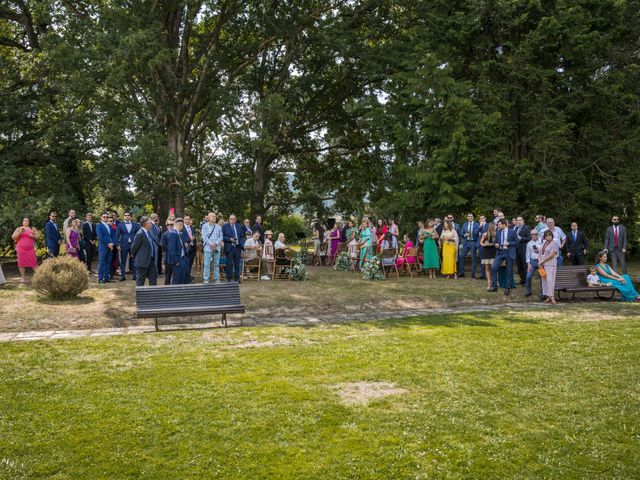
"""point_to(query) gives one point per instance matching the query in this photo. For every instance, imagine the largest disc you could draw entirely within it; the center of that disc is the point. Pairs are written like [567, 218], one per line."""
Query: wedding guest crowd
[497, 249]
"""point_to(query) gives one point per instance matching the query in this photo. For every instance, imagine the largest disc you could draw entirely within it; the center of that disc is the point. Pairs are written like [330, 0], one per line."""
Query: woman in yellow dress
[449, 245]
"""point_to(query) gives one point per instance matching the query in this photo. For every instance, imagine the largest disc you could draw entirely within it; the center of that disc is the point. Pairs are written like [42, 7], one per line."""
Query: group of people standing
[498, 247]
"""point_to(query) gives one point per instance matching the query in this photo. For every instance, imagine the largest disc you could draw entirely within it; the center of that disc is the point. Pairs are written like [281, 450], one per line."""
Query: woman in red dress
[25, 238]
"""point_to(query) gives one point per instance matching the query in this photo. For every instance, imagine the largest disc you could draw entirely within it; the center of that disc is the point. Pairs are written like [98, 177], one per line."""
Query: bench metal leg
[156, 322]
[224, 319]
[605, 297]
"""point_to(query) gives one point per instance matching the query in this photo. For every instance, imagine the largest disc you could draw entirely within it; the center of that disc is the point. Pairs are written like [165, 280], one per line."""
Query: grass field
[326, 292]
[545, 394]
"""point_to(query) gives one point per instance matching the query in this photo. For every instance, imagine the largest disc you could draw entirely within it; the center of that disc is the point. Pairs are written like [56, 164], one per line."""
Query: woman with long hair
[622, 283]
[366, 252]
[431, 260]
[488, 250]
[449, 243]
[25, 237]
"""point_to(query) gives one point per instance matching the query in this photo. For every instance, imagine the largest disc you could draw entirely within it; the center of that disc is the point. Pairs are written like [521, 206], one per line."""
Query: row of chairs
[277, 268]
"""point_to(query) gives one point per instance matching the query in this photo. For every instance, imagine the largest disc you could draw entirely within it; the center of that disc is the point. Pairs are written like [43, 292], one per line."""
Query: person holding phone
[532, 255]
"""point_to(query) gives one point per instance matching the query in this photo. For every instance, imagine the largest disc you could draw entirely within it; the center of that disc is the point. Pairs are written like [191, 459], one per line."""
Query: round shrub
[61, 278]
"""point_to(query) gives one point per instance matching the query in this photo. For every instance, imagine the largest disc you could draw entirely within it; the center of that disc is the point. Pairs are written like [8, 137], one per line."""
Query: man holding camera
[233, 238]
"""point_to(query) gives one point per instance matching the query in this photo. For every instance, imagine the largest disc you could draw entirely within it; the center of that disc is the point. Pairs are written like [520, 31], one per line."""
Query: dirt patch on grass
[361, 393]
[261, 344]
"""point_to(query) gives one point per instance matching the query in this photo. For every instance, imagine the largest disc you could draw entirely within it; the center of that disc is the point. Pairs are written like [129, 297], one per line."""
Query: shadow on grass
[73, 301]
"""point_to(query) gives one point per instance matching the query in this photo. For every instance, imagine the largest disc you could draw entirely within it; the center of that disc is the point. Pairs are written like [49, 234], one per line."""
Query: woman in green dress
[366, 251]
[429, 237]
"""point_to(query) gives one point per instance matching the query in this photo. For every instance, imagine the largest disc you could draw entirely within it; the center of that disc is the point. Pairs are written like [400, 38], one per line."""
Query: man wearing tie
[125, 233]
[176, 255]
[523, 232]
[615, 242]
[106, 239]
[505, 243]
[144, 250]
[470, 234]
[576, 245]
[190, 245]
[89, 235]
[233, 237]
[156, 232]
[52, 236]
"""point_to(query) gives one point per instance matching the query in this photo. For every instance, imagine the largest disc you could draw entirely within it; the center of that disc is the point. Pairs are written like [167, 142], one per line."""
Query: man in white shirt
[211, 246]
[68, 220]
[559, 237]
[251, 248]
[279, 244]
[533, 252]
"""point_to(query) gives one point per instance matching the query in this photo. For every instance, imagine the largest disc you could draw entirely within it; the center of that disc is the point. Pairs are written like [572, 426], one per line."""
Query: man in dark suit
[176, 259]
[258, 227]
[438, 225]
[164, 239]
[144, 250]
[576, 245]
[506, 242]
[106, 239]
[523, 232]
[615, 242]
[125, 233]
[190, 244]
[233, 238]
[470, 231]
[456, 226]
[53, 239]
[89, 236]
[483, 226]
[156, 233]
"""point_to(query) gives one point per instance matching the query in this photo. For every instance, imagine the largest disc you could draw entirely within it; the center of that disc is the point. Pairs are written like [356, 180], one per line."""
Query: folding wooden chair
[413, 266]
[282, 263]
[250, 267]
[388, 261]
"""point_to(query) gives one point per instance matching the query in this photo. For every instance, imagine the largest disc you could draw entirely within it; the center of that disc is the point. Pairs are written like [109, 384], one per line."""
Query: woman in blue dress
[622, 283]
[365, 241]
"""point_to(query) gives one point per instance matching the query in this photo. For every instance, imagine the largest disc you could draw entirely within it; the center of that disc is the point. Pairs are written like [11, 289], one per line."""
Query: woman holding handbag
[547, 265]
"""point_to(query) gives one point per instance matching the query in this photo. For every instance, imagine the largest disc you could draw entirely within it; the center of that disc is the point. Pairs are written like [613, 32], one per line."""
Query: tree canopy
[403, 108]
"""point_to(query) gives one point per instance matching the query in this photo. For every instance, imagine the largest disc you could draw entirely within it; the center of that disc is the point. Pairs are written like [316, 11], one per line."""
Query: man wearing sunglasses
[106, 239]
[53, 239]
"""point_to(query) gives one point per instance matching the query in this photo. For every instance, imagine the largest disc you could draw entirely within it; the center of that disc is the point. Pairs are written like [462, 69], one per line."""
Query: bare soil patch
[361, 393]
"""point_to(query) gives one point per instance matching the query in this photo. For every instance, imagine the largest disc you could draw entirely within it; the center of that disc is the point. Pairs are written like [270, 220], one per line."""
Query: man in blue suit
[176, 259]
[470, 234]
[505, 243]
[52, 236]
[233, 238]
[125, 234]
[106, 239]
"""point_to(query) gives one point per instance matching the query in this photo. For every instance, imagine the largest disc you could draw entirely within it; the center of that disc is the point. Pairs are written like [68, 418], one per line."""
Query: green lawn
[552, 394]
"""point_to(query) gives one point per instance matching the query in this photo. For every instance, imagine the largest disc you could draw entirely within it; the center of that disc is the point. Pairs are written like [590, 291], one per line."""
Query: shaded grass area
[490, 395]
[328, 292]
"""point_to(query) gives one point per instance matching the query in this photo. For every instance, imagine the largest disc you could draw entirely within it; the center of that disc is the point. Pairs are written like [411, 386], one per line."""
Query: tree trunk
[260, 183]
[175, 145]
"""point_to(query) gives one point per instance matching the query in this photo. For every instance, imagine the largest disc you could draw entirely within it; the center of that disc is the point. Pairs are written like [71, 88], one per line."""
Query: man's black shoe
[493, 289]
[507, 291]
[528, 294]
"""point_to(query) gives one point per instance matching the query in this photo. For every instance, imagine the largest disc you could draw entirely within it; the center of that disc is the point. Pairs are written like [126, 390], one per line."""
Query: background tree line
[403, 108]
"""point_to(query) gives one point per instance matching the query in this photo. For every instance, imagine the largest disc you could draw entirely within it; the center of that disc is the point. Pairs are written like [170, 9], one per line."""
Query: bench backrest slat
[179, 296]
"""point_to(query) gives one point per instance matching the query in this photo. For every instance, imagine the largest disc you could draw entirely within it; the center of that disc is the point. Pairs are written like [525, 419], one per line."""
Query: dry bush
[61, 278]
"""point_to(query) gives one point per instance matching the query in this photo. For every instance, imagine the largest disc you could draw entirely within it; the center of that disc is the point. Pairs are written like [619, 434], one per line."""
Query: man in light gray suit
[615, 242]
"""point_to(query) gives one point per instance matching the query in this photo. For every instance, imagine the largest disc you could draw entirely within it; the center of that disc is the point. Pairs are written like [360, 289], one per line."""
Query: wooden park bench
[187, 300]
[573, 279]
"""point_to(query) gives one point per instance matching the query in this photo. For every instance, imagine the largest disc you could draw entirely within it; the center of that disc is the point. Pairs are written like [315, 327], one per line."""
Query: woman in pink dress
[73, 238]
[335, 240]
[406, 259]
[25, 238]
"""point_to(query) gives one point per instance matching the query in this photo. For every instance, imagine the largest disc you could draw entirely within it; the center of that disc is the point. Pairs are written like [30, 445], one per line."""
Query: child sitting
[593, 280]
